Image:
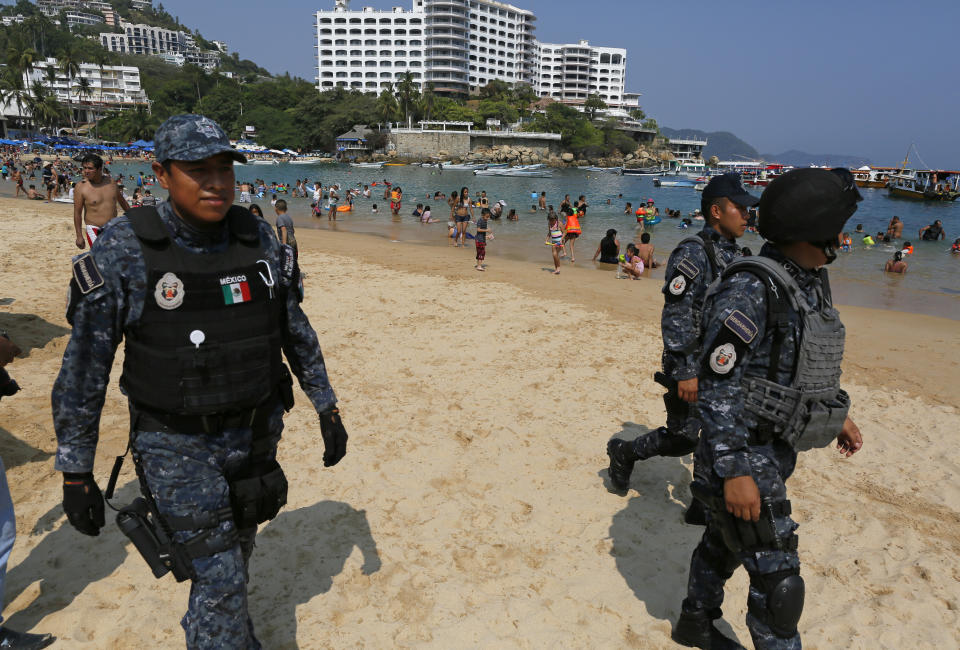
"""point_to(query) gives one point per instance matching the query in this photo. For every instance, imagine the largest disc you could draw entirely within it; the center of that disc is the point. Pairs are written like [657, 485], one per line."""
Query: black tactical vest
[229, 297]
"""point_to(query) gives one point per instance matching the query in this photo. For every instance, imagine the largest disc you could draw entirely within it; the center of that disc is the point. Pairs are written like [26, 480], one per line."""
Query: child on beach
[332, 210]
[481, 240]
[285, 227]
[631, 264]
[554, 239]
[425, 215]
[452, 231]
[373, 208]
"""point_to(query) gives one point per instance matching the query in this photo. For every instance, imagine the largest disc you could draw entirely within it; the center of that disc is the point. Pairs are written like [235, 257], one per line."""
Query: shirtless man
[895, 229]
[18, 178]
[245, 190]
[95, 201]
[645, 251]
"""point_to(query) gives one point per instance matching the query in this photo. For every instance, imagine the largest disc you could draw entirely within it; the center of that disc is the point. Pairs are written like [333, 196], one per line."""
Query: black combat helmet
[809, 205]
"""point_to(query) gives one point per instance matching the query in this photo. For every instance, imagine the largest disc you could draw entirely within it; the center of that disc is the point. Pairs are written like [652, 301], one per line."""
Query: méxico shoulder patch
[86, 273]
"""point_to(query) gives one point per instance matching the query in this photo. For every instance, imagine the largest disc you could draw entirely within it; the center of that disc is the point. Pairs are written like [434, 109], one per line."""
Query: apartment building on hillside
[459, 46]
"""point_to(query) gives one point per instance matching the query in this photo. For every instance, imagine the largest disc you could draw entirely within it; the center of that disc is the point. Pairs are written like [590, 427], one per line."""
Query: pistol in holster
[739, 534]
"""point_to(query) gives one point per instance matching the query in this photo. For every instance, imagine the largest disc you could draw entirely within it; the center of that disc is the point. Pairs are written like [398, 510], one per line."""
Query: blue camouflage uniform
[185, 472]
[688, 274]
[730, 447]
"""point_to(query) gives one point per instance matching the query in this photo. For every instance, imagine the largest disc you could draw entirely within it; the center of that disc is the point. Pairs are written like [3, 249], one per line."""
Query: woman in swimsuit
[463, 214]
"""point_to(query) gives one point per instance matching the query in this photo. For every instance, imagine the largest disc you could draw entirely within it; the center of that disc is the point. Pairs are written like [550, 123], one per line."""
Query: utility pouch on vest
[137, 522]
[257, 494]
[824, 421]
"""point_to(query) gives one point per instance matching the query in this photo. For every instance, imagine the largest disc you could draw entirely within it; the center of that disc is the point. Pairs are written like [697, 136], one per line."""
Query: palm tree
[84, 91]
[387, 104]
[406, 92]
[21, 59]
[13, 90]
[44, 108]
[100, 59]
[427, 100]
[71, 67]
[139, 124]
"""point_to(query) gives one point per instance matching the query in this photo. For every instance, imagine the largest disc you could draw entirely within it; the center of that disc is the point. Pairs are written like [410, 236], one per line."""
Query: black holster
[740, 534]
[141, 526]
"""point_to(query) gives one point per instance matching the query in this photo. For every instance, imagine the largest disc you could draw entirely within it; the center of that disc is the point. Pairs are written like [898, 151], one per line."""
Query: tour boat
[367, 165]
[867, 176]
[925, 184]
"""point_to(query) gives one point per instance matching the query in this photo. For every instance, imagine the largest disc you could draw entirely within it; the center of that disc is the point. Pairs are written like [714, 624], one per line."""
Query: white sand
[473, 490]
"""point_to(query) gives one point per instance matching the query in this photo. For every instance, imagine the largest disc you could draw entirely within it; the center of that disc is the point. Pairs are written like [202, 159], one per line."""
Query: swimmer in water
[896, 265]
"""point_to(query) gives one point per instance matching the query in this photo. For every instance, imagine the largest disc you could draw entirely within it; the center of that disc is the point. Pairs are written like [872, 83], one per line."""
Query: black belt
[176, 423]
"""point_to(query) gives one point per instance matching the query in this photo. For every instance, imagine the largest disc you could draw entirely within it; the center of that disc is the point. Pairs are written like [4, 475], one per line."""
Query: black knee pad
[784, 592]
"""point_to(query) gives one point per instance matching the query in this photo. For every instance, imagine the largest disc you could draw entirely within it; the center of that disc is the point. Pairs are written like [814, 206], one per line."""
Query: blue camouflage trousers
[713, 562]
[680, 436]
[186, 473]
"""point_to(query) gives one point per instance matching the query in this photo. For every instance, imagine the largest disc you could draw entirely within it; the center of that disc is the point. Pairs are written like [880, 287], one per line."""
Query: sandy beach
[471, 509]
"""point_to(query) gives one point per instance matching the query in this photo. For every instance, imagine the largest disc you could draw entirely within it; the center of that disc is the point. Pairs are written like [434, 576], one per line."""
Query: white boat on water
[643, 171]
[367, 165]
[609, 170]
[271, 161]
[465, 167]
[677, 182]
[514, 171]
[306, 160]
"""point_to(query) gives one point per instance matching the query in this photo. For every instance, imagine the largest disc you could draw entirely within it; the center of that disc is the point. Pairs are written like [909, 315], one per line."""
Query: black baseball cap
[729, 186]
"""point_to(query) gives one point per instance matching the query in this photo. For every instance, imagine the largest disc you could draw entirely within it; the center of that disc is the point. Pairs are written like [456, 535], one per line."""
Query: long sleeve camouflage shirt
[735, 312]
[688, 274]
[101, 317]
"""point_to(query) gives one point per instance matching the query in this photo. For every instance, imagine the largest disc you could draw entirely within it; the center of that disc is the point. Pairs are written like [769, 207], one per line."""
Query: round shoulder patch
[677, 285]
[169, 292]
[723, 358]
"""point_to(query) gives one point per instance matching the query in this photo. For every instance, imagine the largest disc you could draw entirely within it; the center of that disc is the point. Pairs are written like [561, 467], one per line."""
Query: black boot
[11, 640]
[696, 514]
[695, 629]
[622, 459]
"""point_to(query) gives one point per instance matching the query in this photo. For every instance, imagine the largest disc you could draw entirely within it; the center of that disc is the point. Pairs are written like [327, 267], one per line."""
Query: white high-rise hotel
[459, 46]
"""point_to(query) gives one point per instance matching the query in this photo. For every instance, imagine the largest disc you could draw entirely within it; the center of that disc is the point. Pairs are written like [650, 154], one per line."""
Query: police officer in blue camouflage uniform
[769, 387]
[694, 263]
[208, 304]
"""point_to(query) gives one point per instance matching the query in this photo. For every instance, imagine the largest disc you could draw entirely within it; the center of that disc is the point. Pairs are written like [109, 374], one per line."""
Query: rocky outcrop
[649, 155]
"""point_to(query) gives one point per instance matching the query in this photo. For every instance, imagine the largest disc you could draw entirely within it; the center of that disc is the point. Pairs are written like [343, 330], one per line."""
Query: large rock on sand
[567, 157]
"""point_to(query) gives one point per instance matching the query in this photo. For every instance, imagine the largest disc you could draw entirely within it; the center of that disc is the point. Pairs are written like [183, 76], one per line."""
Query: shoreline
[874, 336]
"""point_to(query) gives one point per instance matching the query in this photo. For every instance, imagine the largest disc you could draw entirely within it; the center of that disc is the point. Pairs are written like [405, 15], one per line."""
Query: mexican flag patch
[235, 293]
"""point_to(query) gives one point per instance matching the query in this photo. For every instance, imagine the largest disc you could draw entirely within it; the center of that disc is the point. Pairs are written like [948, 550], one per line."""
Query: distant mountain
[722, 144]
[726, 146]
[804, 159]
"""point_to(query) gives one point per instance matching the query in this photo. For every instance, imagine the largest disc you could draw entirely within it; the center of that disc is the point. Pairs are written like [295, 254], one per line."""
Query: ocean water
[931, 284]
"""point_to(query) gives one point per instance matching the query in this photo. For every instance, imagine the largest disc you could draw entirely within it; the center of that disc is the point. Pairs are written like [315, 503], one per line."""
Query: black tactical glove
[83, 503]
[334, 437]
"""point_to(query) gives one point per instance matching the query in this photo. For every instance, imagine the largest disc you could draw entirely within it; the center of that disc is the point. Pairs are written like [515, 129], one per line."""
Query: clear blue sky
[839, 76]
